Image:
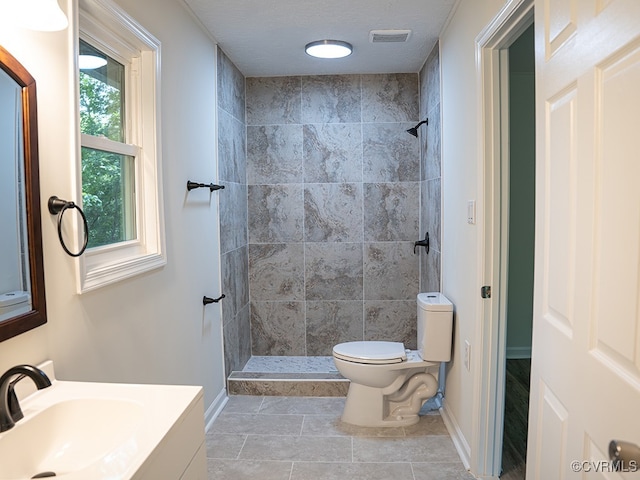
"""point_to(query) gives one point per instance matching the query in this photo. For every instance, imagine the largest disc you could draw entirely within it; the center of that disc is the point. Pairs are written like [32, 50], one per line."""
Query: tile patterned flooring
[300, 438]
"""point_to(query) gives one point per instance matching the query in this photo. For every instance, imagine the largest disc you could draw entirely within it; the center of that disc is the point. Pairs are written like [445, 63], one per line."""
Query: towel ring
[58, 206]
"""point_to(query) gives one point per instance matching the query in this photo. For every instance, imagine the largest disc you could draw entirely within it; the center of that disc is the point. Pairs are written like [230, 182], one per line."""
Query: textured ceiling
[267, 37]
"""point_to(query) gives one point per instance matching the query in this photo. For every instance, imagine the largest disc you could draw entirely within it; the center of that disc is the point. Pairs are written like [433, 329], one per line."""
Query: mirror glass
[22, 300]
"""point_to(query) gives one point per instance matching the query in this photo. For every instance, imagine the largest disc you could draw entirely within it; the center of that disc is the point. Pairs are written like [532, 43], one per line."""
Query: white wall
[460, 240]
[152, 328]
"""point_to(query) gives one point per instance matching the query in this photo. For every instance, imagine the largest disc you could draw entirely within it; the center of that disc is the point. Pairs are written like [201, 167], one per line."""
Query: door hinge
[485, 291]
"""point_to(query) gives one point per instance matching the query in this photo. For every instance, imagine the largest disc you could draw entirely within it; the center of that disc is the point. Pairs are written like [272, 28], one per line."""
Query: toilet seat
[371, 352]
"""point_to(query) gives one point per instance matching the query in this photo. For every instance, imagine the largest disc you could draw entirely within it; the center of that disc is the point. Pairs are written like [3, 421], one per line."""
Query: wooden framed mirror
[22, 292]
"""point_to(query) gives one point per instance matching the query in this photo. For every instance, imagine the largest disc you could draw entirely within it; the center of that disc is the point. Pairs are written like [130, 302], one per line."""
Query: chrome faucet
[10, 411]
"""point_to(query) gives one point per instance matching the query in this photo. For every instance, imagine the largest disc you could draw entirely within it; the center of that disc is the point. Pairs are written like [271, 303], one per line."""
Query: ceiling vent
[389, 36]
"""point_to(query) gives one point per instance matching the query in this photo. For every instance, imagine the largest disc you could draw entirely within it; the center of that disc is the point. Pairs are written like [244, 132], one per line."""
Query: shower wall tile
[231, 148]
[275, 213]
[274, 154]
[235, 281]
[277, 328]
[276, 272]
[234, 261]
[392, 321]
[333, 271]
[332, 153]
[331, 99]
[231, 94]
[430, 272]
[390, 154]
[330, 167]
[392, 211]
[391, 271]
[333, 212]
[390, 97]
[432, 148]
[433, 79]
[233, 216]
[273, 100]
[430, 159]
[330, 323]
[431, 211]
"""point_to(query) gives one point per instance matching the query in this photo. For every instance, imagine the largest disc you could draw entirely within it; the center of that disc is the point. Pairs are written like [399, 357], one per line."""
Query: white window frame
[105, 25]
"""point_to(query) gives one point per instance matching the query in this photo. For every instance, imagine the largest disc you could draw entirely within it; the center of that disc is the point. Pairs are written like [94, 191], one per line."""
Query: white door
[585, 379]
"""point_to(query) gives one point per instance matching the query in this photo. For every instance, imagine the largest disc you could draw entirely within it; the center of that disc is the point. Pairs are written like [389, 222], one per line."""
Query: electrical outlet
[467, 355]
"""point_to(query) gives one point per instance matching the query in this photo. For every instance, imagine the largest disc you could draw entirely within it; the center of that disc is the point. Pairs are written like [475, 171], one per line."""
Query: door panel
[585, 379]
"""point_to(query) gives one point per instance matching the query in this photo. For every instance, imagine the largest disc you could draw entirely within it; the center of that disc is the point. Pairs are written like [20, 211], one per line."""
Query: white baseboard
[519, 352]
[215, 408]
[461, 444]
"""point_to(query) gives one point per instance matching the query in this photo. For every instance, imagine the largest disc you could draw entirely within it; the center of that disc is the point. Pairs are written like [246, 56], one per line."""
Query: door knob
[625, 455]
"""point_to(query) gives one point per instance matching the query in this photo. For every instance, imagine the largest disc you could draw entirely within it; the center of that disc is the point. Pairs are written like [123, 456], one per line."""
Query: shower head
[414, 130]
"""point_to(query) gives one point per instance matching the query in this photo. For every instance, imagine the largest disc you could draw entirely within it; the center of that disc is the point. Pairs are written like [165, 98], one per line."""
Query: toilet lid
[371, 352]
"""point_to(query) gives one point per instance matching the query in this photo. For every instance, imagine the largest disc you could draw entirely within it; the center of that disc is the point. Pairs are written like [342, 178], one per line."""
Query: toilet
[389, 384]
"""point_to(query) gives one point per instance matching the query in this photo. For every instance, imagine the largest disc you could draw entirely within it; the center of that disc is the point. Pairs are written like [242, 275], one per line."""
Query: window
[119, 138]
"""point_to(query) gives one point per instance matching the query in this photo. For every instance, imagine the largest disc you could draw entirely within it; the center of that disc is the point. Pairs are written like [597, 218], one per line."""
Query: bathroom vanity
[85, 430]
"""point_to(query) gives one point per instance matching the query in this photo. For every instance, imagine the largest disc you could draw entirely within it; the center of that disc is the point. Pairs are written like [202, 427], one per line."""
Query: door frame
[493, 184]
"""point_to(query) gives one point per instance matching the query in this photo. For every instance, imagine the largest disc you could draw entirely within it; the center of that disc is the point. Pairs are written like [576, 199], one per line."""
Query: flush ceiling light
[328, 49]
[43, 15]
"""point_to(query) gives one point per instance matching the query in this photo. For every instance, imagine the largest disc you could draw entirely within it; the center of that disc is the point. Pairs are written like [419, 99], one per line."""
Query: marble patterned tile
[430, 271]
[276, 272]
[276, 213]
[277, 328]
[331, 99]
[232, 148]
[290, 387]
[273, 100]
[243, 320]
[332, 322]
[394, 321]
[332, 153]
[391, 97]
[423, 88]
[433, 78]
[391, 271]
[231, 343]
[432, 145]
[390, 154]
[333, 212]
[392, 212]
[231, 91]
[223, 469]
[287, 364]
[436, 448]
[274, 154]
[235, 281]
[431, 212]
[333, 271]
[233, 216]
[296, 449]
[342, 471]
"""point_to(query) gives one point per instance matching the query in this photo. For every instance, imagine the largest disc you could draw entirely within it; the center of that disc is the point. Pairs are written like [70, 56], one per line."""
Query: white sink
[70, 436]
[83, 430]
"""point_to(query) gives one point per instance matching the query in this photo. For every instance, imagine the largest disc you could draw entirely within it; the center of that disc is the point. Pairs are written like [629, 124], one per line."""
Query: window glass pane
[101, 95]
[108, 196]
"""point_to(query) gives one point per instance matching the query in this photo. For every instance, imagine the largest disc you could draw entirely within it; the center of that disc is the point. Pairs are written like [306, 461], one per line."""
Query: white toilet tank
[435, 327]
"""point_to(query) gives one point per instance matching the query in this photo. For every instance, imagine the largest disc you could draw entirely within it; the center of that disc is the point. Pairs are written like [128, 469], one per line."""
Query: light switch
[471, 212]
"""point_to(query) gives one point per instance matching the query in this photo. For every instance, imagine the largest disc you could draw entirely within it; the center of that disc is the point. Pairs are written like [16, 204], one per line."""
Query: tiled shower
[325, 195]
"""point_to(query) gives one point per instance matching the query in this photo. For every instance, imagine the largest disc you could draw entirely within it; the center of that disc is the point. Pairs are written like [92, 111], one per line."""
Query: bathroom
[153, 327]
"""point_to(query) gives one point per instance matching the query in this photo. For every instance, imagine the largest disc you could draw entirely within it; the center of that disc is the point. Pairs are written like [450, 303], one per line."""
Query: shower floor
[275, 364]
[288, 376]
